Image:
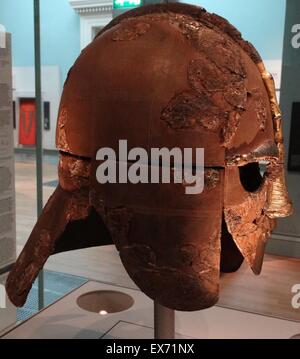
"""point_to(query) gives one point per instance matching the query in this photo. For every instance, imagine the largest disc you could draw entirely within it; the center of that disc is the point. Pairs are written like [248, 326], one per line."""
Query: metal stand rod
[164, 322]
[39, 130]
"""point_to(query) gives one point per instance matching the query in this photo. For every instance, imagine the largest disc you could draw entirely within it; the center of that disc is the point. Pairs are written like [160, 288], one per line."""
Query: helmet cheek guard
[169, 242]
[67, 222]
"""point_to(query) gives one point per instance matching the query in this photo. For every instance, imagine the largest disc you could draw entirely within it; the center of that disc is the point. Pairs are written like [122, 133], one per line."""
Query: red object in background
[27, 122]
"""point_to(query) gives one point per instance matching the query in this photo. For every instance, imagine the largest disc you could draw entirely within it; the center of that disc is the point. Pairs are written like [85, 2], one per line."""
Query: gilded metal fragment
[278, 202]
[62, 141]
[249, 226]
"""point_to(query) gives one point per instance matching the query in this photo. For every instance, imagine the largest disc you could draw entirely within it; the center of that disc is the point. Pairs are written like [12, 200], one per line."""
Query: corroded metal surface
[211, 178]
[246, 220]
[266, 151]
[61, 208]
[131, 30]
[190, 110]
[156, 230]
[166, 76]
[73, 172]
[67, 222]
[260, 108]
[118, 221]
[207, 89]
[188, 282]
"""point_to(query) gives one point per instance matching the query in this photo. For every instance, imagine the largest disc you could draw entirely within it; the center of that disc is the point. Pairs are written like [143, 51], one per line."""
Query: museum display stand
[164, 322]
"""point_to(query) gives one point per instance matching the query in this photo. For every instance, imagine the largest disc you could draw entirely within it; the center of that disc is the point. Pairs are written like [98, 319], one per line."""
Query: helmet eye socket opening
[252, 175]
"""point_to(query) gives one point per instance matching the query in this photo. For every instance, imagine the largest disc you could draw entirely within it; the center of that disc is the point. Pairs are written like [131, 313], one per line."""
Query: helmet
[166, 76]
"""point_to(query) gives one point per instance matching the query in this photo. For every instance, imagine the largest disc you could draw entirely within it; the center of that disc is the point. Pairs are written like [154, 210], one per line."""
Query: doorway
[27, 122]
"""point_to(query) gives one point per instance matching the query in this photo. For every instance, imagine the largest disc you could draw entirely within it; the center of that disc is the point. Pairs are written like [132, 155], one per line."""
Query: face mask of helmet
[166, 76]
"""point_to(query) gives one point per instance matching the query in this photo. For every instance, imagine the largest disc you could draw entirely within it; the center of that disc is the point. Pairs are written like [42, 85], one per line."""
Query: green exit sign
[121, 4]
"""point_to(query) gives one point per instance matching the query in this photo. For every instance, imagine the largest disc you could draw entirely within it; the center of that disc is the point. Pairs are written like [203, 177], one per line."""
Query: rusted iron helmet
[166, 76]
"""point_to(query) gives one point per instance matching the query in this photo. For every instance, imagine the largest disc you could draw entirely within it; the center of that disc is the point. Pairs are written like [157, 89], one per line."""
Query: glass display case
[87, 293]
